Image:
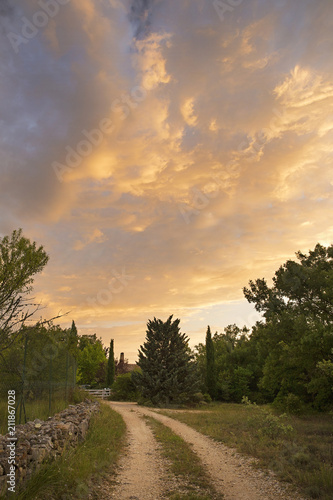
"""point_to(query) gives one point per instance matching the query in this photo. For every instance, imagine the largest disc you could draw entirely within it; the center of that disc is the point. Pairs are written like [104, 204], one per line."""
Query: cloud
[140, 16]
[216, 166]
[6, 8]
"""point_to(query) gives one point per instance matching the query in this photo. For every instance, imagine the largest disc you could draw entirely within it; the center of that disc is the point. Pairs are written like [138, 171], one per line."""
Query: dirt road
[143, 473]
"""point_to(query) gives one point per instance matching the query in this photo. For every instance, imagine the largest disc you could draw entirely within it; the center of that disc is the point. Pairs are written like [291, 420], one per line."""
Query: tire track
[141, 469]
[231, 474]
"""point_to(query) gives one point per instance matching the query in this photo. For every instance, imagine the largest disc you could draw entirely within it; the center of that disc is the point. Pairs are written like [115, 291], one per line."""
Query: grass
[71, 475]
[298, 449]
[184, 464]
[39, 408]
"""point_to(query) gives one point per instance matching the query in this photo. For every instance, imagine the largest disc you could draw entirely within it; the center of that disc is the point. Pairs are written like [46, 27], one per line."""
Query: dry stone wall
[40, 439]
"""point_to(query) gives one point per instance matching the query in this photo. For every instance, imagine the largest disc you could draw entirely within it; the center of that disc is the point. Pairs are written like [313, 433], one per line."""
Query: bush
[268, 424]
[291, 403]
[123, 389]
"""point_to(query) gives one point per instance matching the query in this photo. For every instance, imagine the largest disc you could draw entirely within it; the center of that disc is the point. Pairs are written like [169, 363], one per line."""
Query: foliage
[168, 374]
[124, 389]
[268, 424]
[20, 261]
[297, 335]
[111, 366]
[39, 356]
[236, 364]
[288, 356]
[92, 364]
[303, 287]
[210, 365]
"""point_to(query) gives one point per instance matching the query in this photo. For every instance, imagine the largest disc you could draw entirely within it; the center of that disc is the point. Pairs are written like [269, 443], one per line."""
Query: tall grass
[298, 449]
[77, 472]
[40, 408]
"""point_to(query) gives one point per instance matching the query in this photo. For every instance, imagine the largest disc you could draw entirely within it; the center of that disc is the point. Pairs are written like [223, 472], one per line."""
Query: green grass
[39, 408]
[71, 475]
[302, 456]
[184, 464]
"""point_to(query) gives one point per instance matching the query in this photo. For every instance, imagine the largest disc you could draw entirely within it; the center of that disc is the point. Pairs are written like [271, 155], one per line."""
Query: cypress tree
[111, 366]
[210, 365]
[168, 373]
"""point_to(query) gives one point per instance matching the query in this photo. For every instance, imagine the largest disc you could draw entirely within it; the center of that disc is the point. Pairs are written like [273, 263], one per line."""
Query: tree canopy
[304, 287]
[287, 358]
[20, 261]
[167, 370]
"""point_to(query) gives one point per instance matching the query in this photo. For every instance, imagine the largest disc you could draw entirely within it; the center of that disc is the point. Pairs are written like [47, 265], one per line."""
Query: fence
[100, 393]
[40, 368]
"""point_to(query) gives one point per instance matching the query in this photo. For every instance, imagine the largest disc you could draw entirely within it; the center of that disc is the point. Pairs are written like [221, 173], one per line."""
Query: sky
[164, 153]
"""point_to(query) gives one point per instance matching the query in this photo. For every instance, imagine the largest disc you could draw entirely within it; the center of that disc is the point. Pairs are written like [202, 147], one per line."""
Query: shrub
[267, 423]
[123, 389]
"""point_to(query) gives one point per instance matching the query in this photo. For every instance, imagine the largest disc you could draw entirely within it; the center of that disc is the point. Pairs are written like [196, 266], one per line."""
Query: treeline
[287, 358]
[43, 357]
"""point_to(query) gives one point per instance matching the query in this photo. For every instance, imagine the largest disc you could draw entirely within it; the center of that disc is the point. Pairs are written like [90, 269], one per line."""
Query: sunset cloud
[164, 156]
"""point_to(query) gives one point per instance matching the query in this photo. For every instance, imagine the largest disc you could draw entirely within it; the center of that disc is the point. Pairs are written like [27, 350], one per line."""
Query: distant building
[123, 366]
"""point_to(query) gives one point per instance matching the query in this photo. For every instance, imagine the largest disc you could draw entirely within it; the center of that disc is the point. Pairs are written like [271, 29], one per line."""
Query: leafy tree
[20, 261]
[297, 334]
[304, 287]
[210, 365]
[38, 357]
[92, 364]
[111, 366]
[168, 373]
[85, 340]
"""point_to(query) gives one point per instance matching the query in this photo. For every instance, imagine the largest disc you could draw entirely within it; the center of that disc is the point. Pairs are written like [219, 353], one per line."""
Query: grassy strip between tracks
[74, 474]
[192, 482]
[299, 449]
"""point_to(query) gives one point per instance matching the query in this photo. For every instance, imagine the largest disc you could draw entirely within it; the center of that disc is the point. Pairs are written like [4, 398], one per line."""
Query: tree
[298, 331]
[111, 366]
[168, 373]
[304, 287]
[210, 365]
[92, 364]
[20, 261]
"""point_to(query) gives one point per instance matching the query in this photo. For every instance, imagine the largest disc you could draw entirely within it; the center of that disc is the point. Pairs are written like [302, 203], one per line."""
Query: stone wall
[39, 439]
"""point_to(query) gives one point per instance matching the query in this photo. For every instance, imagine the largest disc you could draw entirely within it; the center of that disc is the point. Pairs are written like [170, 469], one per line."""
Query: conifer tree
[210, 365]
[111, 366]
[168, 373]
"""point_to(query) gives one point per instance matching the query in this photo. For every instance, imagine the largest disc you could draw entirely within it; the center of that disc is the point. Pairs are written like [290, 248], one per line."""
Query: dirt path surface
[231, 474]
[141, 468]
